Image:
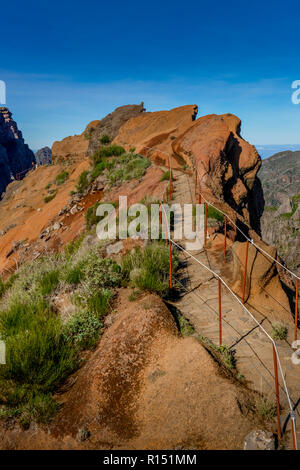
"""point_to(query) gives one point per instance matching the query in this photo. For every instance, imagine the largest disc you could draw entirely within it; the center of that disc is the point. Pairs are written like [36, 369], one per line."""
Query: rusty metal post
[167, 196]
[294, 437]
[171, 185]
[160, 216]
[296, 311]
[225, 235]
[220, 313]
[170, 258]
[277, 392]
[245, 272]
[205, 223]
[199, 197]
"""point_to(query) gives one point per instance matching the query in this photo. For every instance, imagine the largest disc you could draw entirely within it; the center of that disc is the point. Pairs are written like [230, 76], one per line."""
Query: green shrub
[227, 356]
[279, 331]
[213, 213]
[83, 329]
[166, 176]
[41, 408]
[266, 408]
[50, 197]
[185, 327]
[148, 269]
[98, 170]
[270, 209]
[74, 274]
[90, 215]
[100, 272]
[105, 152]
[2, 287]
[105, 139]
[61, 178]
[48, 282]
[37, 355]
[73, 246]
[83, 182]
[127, 167]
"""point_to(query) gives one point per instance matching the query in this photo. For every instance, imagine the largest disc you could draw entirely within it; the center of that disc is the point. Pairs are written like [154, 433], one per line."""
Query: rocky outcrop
[44, 156]
[73, 147]
[111, 124]
[79, 146]
[226, 163]
[152, 134]
[16, 159]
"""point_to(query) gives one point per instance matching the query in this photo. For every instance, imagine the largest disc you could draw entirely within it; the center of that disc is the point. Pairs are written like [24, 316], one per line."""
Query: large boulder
[259, 440]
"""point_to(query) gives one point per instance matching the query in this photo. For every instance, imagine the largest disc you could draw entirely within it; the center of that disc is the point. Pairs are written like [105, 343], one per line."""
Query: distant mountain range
[266, 151]
[280, 178]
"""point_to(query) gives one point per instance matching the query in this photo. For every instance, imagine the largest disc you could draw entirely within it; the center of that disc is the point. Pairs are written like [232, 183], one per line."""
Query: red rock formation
[158, 130]
[226, 163]
[74, 146]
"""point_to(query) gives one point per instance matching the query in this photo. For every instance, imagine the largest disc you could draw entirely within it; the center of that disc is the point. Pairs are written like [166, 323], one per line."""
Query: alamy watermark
[296, 93]
[2, 352]
[152, 222]
[2, 92]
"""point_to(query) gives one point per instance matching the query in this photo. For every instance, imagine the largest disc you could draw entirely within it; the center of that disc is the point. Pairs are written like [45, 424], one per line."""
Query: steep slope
[280, 177]
[146, 387]
[16, 159]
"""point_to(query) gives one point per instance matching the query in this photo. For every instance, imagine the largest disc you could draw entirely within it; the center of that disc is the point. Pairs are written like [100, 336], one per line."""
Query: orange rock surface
[73, 146]
[158, 130]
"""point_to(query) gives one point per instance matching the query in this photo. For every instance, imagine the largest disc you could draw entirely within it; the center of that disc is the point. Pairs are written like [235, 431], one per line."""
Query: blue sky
[66, 63]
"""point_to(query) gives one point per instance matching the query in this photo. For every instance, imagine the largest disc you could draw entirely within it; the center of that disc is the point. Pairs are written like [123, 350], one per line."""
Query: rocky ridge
[16, 158]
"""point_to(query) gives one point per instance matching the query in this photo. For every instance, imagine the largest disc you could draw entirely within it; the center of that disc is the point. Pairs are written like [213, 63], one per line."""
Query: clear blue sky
[66, 63]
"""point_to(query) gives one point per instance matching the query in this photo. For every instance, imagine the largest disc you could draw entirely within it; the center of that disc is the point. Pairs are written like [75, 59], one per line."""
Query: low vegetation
[266, 408]
[50, 197]
[213, 213]
[91, 218]
[83, 182]
[41, 349]
[104, 140]
[166, 176]
[279, 331]
[148, 269]
[115, 164]
[61, 178]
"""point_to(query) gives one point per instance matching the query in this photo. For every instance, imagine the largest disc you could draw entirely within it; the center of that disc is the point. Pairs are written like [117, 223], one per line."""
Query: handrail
[229, 218]
[217, 276]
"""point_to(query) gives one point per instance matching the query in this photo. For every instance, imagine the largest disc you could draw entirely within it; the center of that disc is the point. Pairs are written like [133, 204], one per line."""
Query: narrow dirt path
[199, 303]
